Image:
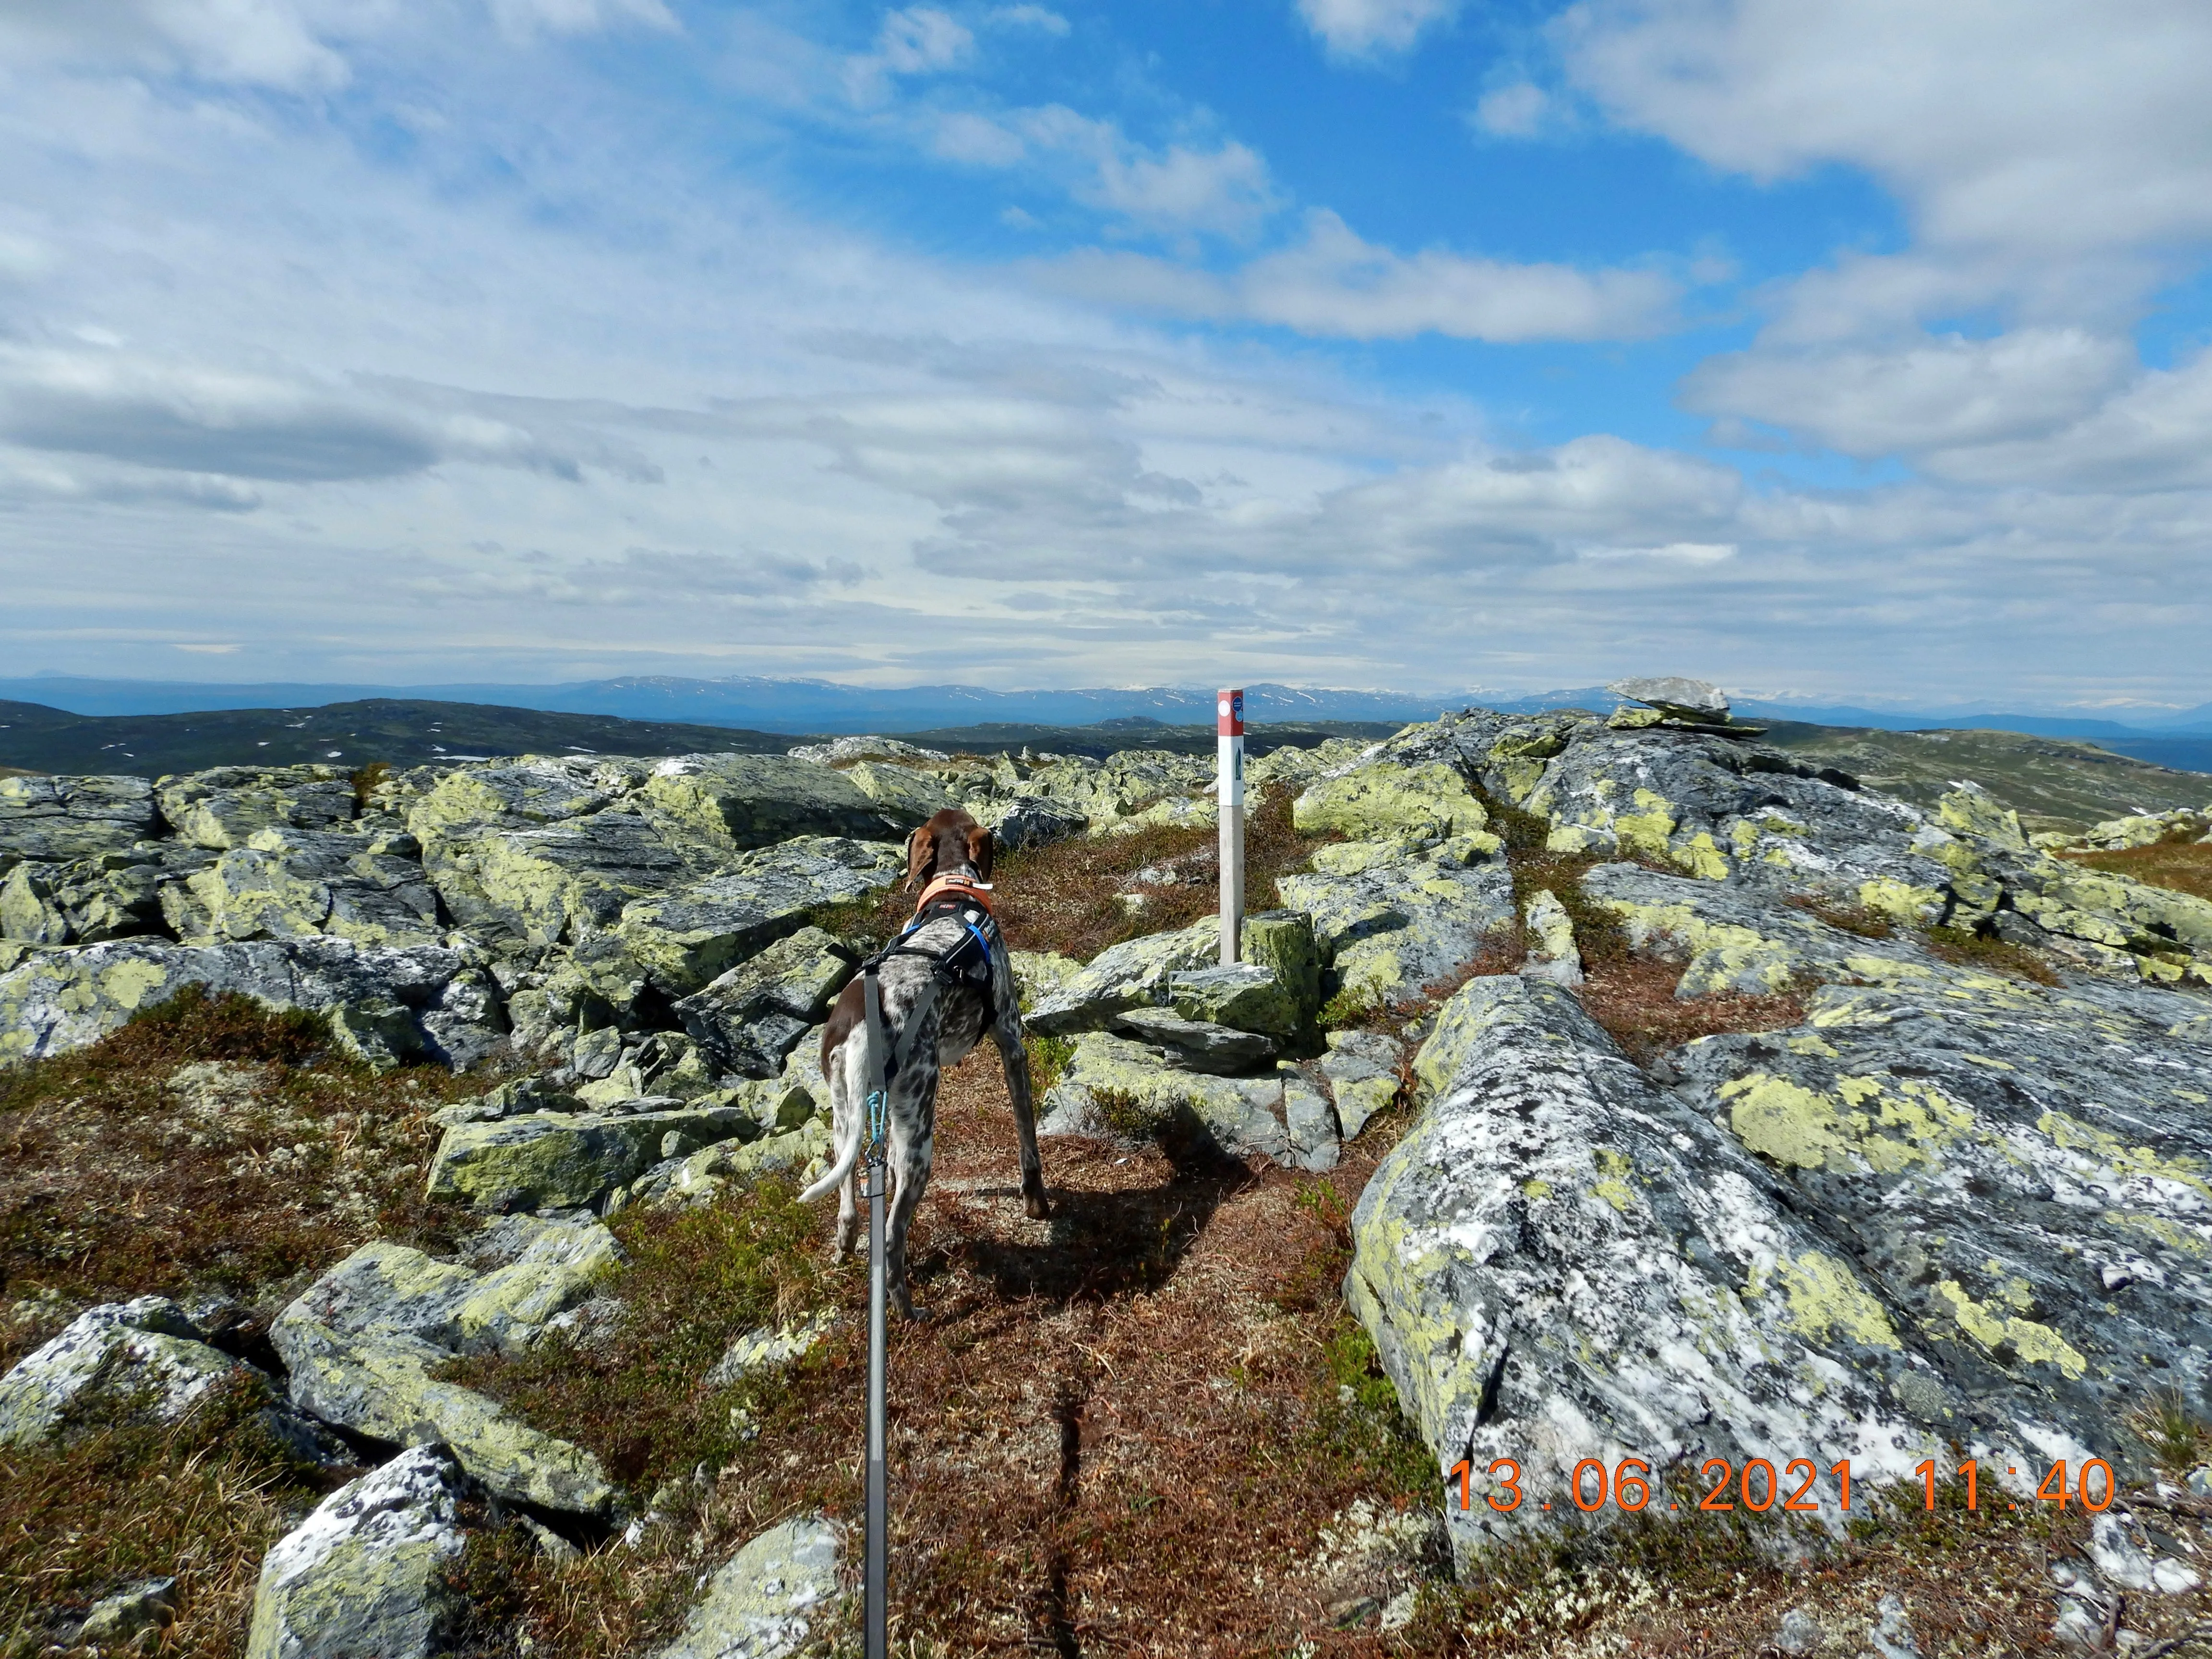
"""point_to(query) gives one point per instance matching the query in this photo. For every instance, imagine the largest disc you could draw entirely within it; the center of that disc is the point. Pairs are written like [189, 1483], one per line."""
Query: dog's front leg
[1015, 1058]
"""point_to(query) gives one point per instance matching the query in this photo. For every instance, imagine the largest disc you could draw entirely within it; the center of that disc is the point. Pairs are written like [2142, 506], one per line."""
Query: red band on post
[1229, 712]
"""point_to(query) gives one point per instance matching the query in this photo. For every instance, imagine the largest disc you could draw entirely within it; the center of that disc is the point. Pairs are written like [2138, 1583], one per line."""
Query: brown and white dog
[948, 856]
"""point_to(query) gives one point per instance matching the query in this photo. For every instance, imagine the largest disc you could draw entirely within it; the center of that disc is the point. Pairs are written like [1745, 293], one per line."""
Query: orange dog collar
[962, 886]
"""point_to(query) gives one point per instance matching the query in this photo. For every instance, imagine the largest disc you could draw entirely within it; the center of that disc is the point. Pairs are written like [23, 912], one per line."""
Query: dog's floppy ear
[920, 857]
[980, 846]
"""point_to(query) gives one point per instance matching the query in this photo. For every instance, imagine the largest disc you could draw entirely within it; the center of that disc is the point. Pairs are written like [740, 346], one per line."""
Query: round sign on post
[1229, 779]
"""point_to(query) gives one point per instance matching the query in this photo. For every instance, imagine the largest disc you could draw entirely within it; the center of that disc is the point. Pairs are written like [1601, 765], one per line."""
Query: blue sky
[1836, 348]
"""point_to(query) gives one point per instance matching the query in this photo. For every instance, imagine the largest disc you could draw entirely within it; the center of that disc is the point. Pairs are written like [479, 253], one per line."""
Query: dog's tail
[849, 1153]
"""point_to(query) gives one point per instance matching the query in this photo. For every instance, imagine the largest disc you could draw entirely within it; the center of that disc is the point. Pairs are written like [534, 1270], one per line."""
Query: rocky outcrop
[1391, 917]
[691, 937]
[1562, 1261]
[385, 1006]
[49, 820]
[146, 1350]
[748, 1020]
[1136, 974]
[365, 1343]
[558, 1160]
[228, 806]
[364, 1576]
[1124, 1088]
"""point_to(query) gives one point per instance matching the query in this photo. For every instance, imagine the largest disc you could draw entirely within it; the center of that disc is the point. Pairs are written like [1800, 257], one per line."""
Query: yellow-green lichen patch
[1431, 799]
[1810, 1044]
[1786, 1121]
[1824, 1296]
[1702, 857]
[126, 983]
[1535, 1191]
[1612, 1184]
[2071, 1134]
[1901, 900]
[1646, 830]
[2034, 1344]
[2167, 1231]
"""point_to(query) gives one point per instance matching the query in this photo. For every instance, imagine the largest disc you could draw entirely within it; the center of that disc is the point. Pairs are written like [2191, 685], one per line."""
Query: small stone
[1800, 1633]
[149, 1605]
[770, 1598]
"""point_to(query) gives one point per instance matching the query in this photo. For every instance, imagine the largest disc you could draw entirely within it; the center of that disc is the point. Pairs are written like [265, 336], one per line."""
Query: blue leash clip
[877, 1102]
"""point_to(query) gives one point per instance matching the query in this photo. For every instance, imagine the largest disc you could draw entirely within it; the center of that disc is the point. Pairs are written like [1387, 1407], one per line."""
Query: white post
[1229, 779]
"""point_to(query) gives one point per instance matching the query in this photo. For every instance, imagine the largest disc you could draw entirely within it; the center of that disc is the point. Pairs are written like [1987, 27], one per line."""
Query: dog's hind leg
[848, 1116]
[912, 1145]
[1007, 1034]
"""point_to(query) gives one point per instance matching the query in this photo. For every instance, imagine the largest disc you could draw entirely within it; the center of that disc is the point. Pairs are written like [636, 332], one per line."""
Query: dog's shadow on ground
[1107, 1244]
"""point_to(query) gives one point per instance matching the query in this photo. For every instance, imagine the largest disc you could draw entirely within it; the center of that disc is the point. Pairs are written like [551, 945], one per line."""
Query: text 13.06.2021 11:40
[1627, 1484]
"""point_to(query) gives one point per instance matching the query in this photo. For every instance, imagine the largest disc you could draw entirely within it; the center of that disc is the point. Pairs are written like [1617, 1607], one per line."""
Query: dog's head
[951, 842]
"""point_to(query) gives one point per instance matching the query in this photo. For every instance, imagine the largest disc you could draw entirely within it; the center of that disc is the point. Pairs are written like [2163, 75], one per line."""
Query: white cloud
[522, 19]
[1363, 28]
[1336, 284]
[1221, 189]
[916, 40]
[2156, 434]
[1039, 18]
[1927, 394]
[275, 43]
[2036, 123]
[1519, 111]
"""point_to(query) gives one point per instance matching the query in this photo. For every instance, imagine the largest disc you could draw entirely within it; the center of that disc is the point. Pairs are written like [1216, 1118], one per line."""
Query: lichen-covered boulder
[384, 1385]
[802, 1152]
[1282, 941]
[1381, 799]
[558, 1160]
[1673, 694]
[1135, 973]
[1198, 1044]
[147, 1347]
[691, 936]
[770, 1600]
[1392, 918]
[535, 789]
[728, 804]
[382, 1004]
[287, 884]
[365, 1576]
[1118, 1088]
[1553, 953]
[2022, 1174]
[750, 1017]
[55, 820]
[546, 884]
[226, 807]
[112, 895]
[901, 791]
[2156, 933]
[1243, 995]
[2147, 829]
[1559, 1261]
[1361, 1070]
[1030, 820]
[1744, 940]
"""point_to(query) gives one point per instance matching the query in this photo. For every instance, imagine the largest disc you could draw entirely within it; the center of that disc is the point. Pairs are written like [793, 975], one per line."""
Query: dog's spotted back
[946, 1026]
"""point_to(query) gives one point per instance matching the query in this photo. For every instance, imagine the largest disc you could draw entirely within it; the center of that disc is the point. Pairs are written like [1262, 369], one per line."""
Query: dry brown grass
[2185, 866]
[209, 1145]
[1967, 949]
[1633, 998]
[1119, 1431]
[120, 1500]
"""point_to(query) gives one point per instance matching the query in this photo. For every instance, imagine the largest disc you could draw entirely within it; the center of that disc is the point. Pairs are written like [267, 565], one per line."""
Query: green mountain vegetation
[2051, 782]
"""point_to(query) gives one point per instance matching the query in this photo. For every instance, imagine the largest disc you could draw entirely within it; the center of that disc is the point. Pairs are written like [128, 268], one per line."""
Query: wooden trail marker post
[1229, 779]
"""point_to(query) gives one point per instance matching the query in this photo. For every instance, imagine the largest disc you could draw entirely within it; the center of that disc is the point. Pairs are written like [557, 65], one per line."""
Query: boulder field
[1961, 1207]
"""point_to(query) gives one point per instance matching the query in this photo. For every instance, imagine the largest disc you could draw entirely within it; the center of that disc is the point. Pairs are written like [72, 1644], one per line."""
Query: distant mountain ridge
[811, 706]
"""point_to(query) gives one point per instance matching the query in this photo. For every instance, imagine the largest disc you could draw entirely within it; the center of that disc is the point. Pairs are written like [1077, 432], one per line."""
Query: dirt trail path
[1118, 1431]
